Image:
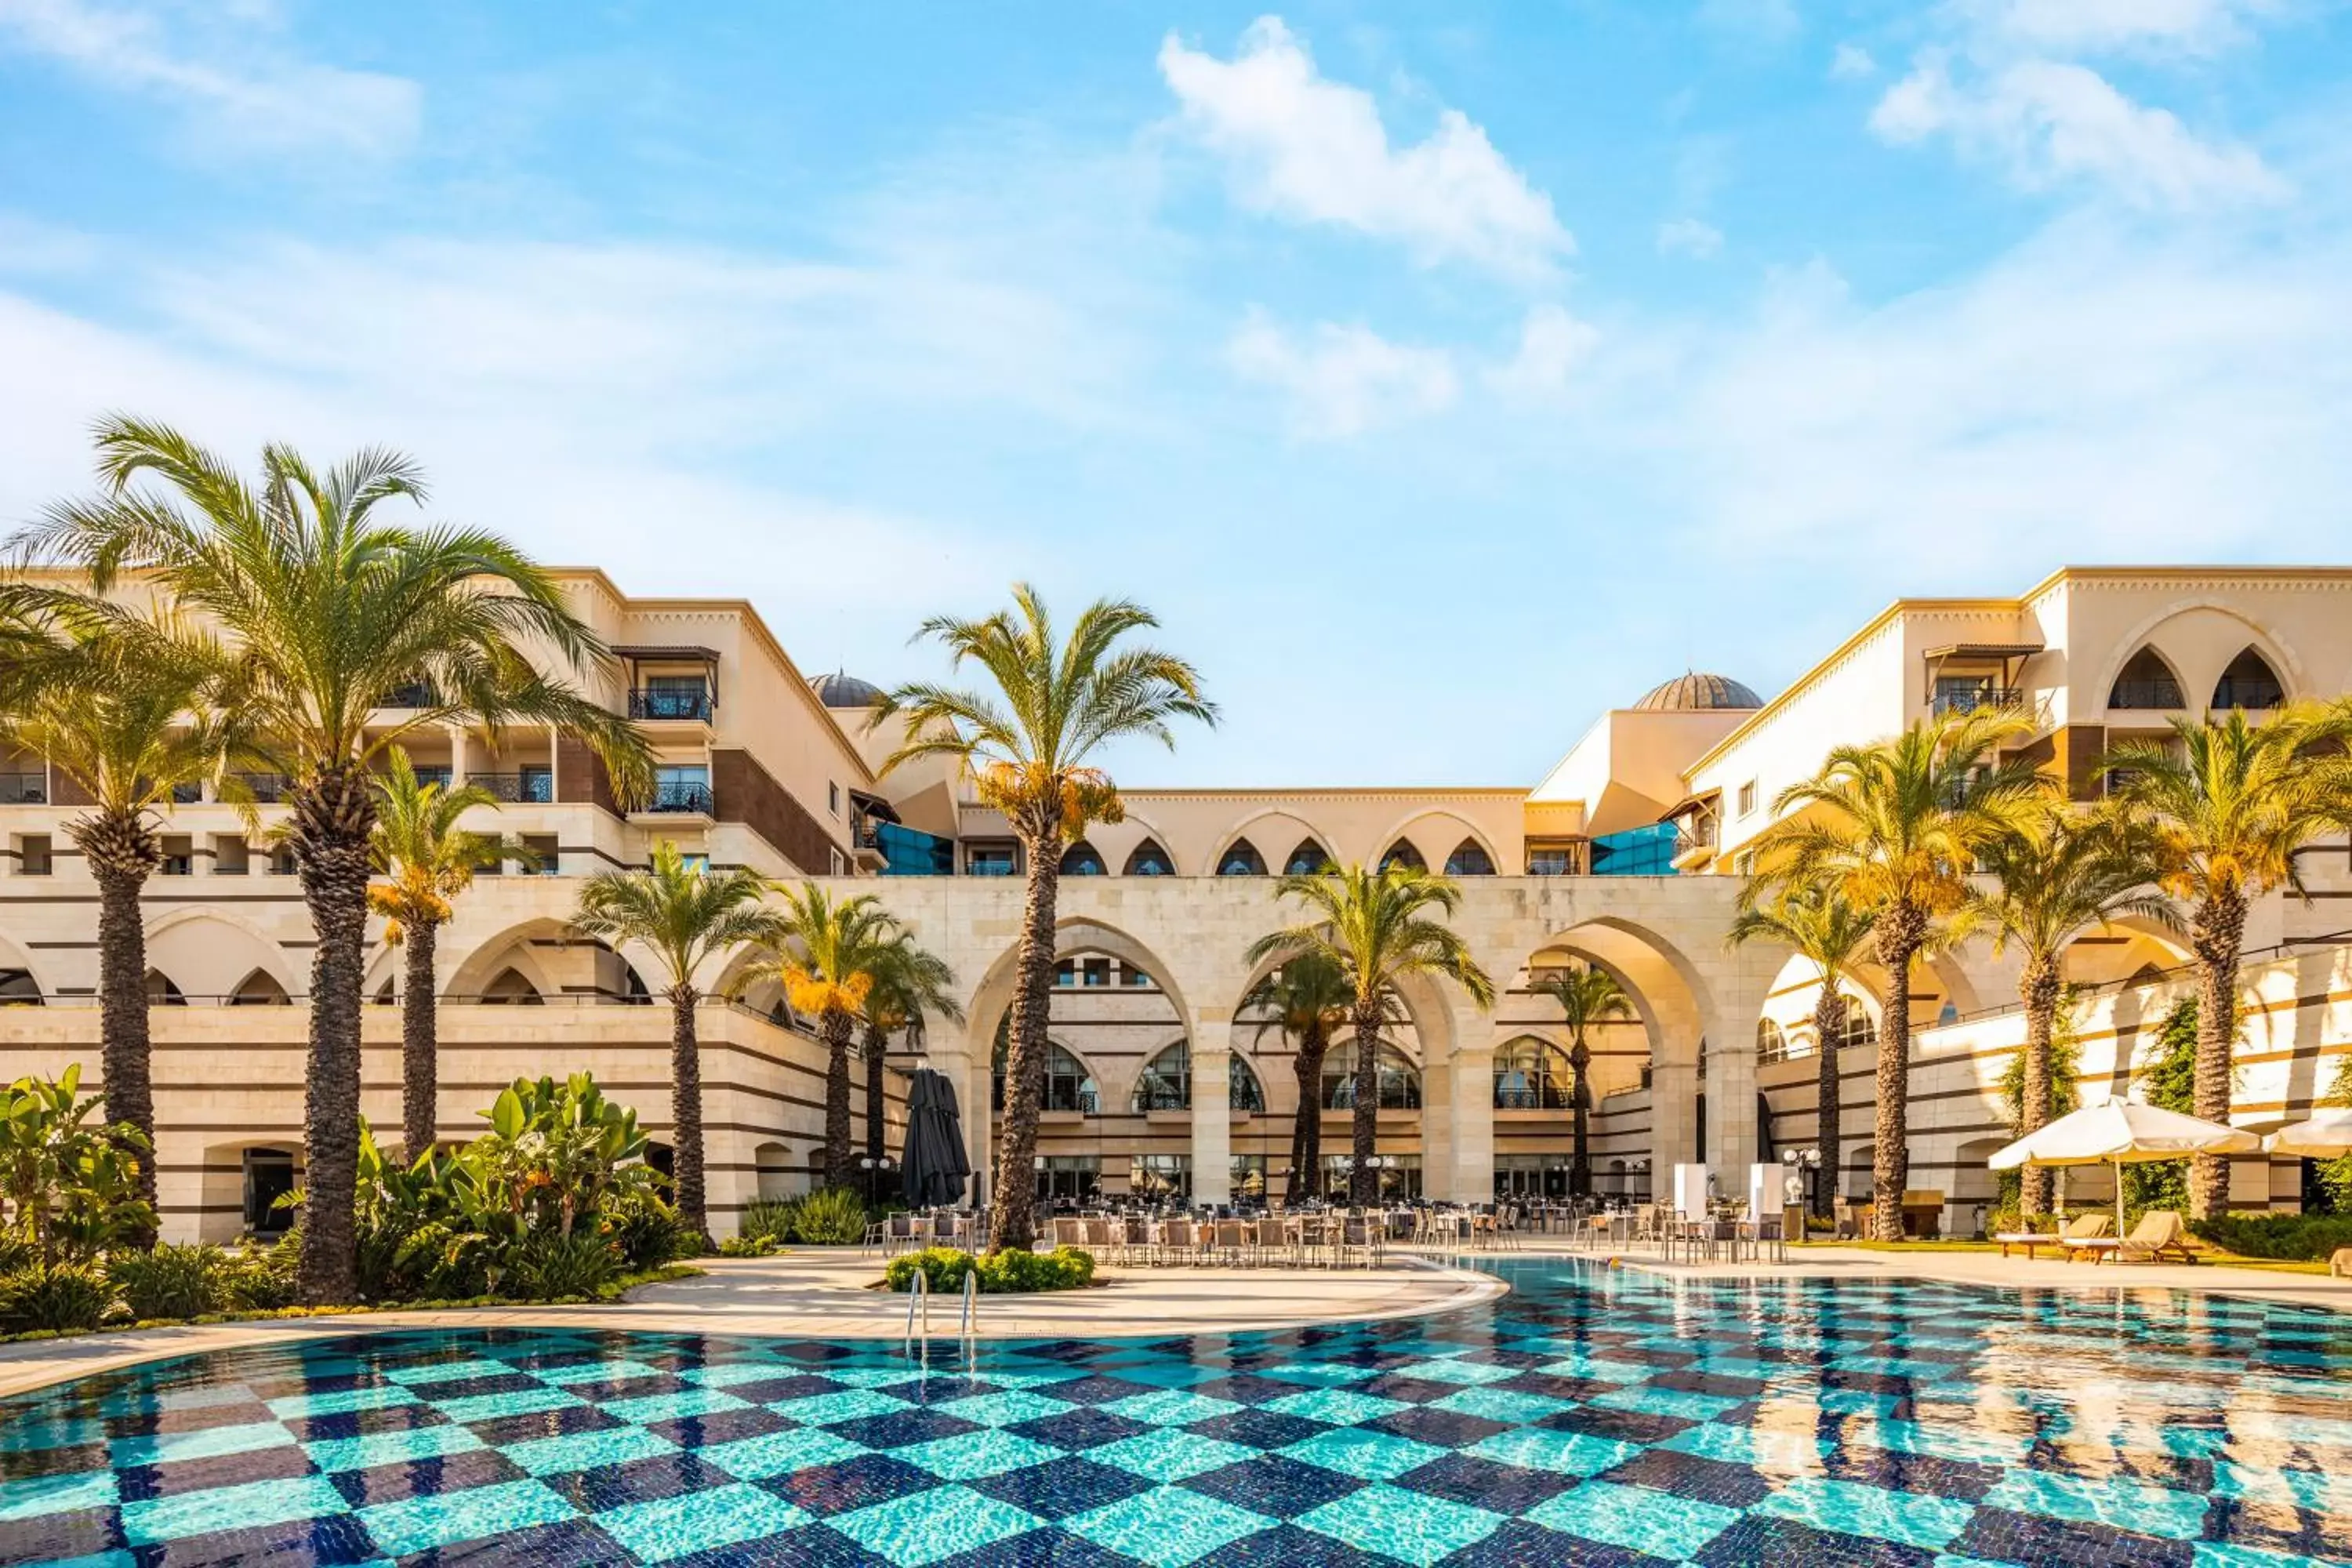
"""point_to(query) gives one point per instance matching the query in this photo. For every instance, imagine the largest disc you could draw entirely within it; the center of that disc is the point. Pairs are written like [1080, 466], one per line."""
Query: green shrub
[15, 1253]
[551, 1265]
[1005, 1273]
[2281, 1235]
[748, 1247]
[63, 1296]
[774, 1219]
[172, 1281]
[261, 1276]
[648, 1232]
[835, 1217]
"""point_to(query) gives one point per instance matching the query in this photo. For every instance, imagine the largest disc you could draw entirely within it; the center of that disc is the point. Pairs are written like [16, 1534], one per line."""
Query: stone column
[1674, 1121]
[1734, 1141]
[1473, 1121]
[1212, 1121]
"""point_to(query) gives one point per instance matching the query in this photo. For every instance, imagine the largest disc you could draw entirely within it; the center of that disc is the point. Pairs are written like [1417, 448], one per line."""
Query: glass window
[1066, 974]
[2249, 683]
[1166, 1082]
[1532, 1074]
[1637, 851]
[535, 785]
[1469, 859]
[1308, 860]
[1771, 1042]
[1249, 1178]
[833, 797]
[1241, 859]
[1137, 978]
[1244, 1092]
[989, 860]
[910, 852]
[679, 786]
[1400, 1083]
[1531, 1176]
[674, 697]
[1857, 1031]
[1402, 853]
[1069, 1179]
[1068, 1085]
[1400, 1177]
[1080, 860]
[1150, 860]
[1747, 798]
[1553, 862]
[1160, 1178]
[1094, 974]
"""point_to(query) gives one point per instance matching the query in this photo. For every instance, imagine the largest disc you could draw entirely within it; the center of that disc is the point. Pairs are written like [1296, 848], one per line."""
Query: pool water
[1593, 1419]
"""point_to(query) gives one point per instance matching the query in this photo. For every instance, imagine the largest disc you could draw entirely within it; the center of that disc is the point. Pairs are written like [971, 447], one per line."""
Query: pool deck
[826, 1294]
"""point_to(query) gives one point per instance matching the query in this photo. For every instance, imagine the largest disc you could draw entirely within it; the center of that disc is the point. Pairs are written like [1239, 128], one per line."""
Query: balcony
[691, 704]
[1971, 699]
[266, 789]
[2157, 695]
[517, 789]
[24, 789]
[413, 694]
[678, 797]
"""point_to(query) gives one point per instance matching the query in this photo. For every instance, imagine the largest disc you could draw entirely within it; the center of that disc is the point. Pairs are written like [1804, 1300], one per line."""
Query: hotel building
[1629, 855]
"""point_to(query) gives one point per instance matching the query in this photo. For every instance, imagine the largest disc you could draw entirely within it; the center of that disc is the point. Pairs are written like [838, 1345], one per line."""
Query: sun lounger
[2160, 1235]
[2083, 1227]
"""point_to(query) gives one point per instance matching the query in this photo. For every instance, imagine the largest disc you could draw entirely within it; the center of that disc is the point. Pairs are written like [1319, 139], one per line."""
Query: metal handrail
[970, 1303]
[919, 1291]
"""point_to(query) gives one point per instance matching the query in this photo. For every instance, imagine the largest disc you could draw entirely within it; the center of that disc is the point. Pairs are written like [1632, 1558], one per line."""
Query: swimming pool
[1602, 1419]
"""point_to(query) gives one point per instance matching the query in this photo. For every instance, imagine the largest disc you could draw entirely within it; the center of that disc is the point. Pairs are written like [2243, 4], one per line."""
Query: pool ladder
[919, 1298]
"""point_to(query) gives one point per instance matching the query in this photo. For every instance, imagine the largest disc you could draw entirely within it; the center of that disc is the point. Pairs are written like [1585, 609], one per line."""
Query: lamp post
[869, 1164]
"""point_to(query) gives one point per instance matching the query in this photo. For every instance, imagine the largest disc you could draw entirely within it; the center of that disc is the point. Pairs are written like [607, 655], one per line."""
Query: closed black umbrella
[933, 1164]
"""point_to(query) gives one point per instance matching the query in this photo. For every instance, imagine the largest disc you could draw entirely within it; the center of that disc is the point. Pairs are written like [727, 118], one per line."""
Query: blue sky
[1441, 374]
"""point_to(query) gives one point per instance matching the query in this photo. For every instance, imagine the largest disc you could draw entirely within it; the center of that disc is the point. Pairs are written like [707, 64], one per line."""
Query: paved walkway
[827, 1295]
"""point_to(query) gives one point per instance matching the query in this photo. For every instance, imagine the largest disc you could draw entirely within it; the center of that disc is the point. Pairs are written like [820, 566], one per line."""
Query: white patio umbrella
[2327, 1134]
[2121, 1132]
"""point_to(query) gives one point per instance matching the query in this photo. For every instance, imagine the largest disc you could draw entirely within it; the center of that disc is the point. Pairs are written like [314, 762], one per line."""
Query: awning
[874, 805]
[684, 652]
[1985, 650]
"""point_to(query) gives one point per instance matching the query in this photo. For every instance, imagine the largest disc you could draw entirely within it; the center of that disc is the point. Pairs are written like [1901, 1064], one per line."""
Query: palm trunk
[333, 815]
[1013, 1220]
[685, 1114]
[1904, 929]
[123, 853]
[2214, 937]
[1364, 1183]
[1307, 1127]
[1829, 1103]
[834, 1025]
[420, 1046]
[1580, 1098]
[2038, 986]
[877, 1047]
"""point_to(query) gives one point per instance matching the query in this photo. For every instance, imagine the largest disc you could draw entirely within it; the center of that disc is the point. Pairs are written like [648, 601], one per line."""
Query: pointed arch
[1308, 859]
[208, 951]
[1241, 858]
[2147, 680]
[161, 992]
[1149, 860]
[1399, 1079]
[258, 989]
[1531, 1073]
[1069, 1081]
[2249, 683]
[511, 987]
[1469, 859]
[1166, 1082]
[1244, 1091]
[1403, 853]
[1083, 860]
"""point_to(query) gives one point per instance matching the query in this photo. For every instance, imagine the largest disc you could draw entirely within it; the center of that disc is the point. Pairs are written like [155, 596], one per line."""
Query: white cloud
[1342, 380]
[1690, 236]
[2072, 26]
[1553, 346]
[240, 89]
[2050, 123]
[1852, 62]
[1315, 150]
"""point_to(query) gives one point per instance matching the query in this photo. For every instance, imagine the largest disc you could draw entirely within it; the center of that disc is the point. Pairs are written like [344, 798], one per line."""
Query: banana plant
[72, 1185]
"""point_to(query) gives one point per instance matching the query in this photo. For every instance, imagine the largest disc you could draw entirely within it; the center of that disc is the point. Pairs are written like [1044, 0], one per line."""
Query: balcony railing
[2155, 694]
[267, 789]
[24, 789]
[415, 694]
[683, 798]
[668, 704]
[517, 789]
[1973, 698]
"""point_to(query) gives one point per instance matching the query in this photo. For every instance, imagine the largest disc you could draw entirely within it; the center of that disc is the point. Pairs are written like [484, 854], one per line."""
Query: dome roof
[843, 689]
[1698, 691]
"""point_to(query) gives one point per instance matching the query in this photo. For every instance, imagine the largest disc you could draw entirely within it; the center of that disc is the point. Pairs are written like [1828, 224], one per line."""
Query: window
[1966, 693]
[1558, 861]
[1166, 1082]
[435, 774]
[1080, 860]
[1066, 974]
[695, 859]
[548, 858]
[187, 794]
[682, 787]
[1747, 798]
[1857, 1031]
[282, 861]
[1094, 973]
[1150, 860]
[1243, 1091]
[1249, 1178]
[1308, 859]
[1531, 1074]
[1068, 1085]
[2249, 683]
[1469, 859]
[1070, 1179]
[2145, 681]
[1402, 853]
[1531, 1176]
[1137, 978]
[231, 856]
[836, 862]
[162, 992]
[179, 856]
[1241, 859]
[673, 697]
[1771, 1042]
[1400, 1177]
[989, 860]
[1400, 1084]
[1160, 1178]
[269, 1176]
[1637, 851]
[833, 797]
[32, 854]
[535, 785]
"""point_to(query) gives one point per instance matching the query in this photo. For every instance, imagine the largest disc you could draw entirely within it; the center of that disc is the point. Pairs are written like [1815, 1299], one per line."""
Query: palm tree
[426, 860]
[1028, 745]
[910, 983]
[329, 612]
[685, 912]
[128, 718]
[1307, 998]
[2224, 807]
[1586, 996]
[1831, 934]
[1376, 928]
[1896, 827]
[827, 954]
